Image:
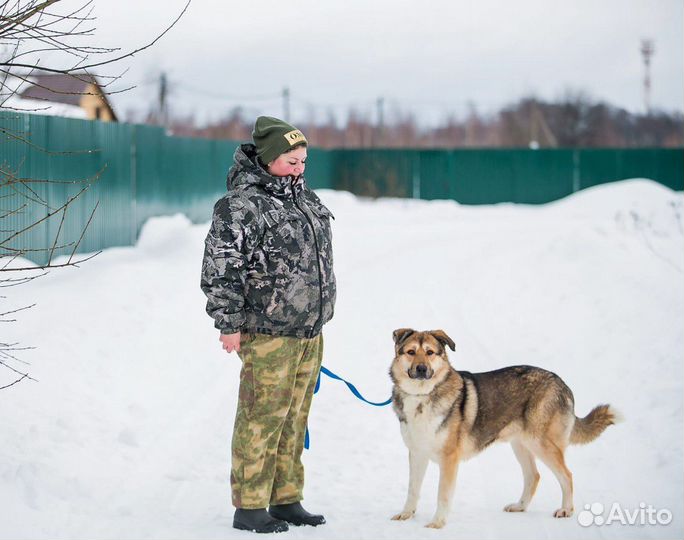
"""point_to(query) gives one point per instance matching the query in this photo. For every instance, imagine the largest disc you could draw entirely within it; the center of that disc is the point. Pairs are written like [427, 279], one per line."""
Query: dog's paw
[563, 513]
[514, 507]
[404, 515]
[436, 524]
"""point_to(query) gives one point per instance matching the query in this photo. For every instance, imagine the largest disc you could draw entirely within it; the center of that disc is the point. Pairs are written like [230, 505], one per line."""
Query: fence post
[416, 175]
[575, 171]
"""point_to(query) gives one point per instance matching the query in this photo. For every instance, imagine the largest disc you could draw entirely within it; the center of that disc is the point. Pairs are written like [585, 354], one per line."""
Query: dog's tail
[592, 425]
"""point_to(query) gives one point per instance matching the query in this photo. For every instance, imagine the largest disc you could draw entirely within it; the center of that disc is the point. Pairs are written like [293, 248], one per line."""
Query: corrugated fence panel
[666, 165]
[541, 176]
[500, 175]
[114, 189]
[486, 177]
[35, 169]
[437, 173]
[320, 172]
[212, 185]
[17, 213]
[57, 165]
[65, 155]
[84, 160]
[175, 174]
[376, 173]
[185, 165]
[481, 180]
[146, 168]
[671, 167]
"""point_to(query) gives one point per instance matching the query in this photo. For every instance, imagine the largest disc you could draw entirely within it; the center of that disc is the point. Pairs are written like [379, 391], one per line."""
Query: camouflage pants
[277, 381]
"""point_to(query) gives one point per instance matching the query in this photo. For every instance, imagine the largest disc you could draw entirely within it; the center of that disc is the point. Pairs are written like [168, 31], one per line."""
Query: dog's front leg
[448, 469]
[418, 463]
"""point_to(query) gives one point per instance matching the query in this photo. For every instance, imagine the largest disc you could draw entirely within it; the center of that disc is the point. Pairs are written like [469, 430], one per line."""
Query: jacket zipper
[318, 260]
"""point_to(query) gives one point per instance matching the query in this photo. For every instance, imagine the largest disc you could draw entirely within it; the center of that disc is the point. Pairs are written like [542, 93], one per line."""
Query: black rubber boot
[295, 514]
[259, 521]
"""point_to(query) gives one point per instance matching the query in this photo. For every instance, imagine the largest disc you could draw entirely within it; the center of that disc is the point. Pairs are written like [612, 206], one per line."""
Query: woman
[267, 274]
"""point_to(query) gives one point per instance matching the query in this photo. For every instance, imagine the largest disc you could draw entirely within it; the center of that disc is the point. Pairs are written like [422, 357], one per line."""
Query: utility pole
[537, 121]
[286, 104]
[381, 120]
[381, 113]
[470, 124]
[647, 50]
[163, 103]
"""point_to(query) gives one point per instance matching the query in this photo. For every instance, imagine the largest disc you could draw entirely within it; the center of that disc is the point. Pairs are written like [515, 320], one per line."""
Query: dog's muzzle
[420, 371]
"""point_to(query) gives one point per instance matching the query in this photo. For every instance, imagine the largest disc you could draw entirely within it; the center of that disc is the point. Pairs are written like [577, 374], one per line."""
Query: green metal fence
[133, 172]
[490, 176]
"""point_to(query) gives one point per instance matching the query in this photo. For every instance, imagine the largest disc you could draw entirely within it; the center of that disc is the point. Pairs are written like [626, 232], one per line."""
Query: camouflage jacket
[267, 264]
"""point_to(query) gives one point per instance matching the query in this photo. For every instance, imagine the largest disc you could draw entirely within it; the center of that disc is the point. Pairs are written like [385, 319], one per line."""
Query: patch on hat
[295, 136]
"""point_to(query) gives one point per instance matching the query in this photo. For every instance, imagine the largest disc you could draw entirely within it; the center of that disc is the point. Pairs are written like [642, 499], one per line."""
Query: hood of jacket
[246, 171]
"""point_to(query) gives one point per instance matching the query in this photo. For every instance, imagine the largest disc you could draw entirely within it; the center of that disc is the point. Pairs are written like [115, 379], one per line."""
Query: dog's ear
[400, 334]
[441, 336]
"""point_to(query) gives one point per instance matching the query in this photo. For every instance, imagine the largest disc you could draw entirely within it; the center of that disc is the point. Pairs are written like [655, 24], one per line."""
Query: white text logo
[645, 514]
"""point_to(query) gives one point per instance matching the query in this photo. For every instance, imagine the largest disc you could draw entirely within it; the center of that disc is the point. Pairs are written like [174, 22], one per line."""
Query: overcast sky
[431, 57]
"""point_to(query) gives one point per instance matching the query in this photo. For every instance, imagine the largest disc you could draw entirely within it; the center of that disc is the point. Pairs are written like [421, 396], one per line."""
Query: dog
[448, 416]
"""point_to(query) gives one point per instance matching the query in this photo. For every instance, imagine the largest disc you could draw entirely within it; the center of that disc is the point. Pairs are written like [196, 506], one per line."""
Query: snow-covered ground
[127, 433]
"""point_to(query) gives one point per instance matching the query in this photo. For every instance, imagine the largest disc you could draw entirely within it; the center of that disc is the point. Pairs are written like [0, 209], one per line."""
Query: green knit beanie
[273, 137]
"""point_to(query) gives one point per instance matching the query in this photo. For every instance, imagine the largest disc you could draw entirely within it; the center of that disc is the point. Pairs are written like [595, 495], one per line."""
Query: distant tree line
[573, 121]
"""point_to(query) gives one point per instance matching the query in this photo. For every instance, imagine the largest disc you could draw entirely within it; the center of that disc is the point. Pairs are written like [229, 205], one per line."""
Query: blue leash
[353, 391]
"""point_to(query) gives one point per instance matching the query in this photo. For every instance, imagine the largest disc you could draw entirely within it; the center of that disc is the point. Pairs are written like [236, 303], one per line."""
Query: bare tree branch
[30, 29]
[24, 376]
[12, 64]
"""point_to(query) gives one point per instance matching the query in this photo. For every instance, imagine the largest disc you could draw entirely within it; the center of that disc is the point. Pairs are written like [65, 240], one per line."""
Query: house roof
[46, 108]
[58, 87]
[62, 88]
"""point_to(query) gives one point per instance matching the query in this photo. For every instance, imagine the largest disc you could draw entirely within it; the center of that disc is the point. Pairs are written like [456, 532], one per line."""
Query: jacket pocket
[324, 234]
[247, 391]
[322, 211]
[246, 338]
[282, 228]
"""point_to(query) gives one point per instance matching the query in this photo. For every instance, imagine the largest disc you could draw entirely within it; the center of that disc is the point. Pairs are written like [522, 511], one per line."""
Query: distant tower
[647, 50]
